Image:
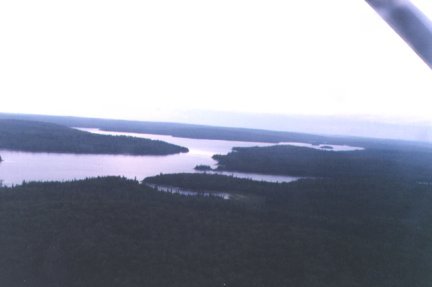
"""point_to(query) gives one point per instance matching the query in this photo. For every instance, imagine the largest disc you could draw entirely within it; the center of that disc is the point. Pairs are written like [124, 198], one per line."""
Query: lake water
[188, 192]
[28, 166]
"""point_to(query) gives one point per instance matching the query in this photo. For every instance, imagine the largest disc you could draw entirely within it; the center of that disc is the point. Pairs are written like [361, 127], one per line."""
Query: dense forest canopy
[118, 232]
[47, 137]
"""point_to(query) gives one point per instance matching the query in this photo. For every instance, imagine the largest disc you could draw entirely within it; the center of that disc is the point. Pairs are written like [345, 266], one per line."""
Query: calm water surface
[28, 166]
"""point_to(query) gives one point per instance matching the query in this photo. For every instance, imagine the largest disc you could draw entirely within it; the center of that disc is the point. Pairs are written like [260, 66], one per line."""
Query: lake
[28, 166]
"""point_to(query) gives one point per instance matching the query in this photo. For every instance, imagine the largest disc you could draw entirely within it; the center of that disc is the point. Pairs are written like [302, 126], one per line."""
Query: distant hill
[212, 132]
[35, 136]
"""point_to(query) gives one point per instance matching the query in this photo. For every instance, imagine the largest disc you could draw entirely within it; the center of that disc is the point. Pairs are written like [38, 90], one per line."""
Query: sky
[161, 60]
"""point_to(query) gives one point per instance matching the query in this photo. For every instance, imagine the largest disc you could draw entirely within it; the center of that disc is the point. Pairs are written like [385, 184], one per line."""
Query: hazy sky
[151, 59]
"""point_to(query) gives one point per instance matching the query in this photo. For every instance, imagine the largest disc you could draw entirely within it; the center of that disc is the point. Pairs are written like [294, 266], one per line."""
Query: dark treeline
[118, 232]
[392, 163]
[46, 137]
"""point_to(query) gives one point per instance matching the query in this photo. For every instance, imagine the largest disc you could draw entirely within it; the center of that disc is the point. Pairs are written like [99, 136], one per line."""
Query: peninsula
[33, 136]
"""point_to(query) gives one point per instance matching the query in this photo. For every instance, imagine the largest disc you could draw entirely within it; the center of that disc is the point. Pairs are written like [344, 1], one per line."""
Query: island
[33, 136]
[203, 167]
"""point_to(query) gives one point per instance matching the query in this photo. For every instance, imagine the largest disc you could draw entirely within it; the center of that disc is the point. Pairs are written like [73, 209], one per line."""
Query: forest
[356, 218]
[394, 162]
[22, 135]
[118, 232]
